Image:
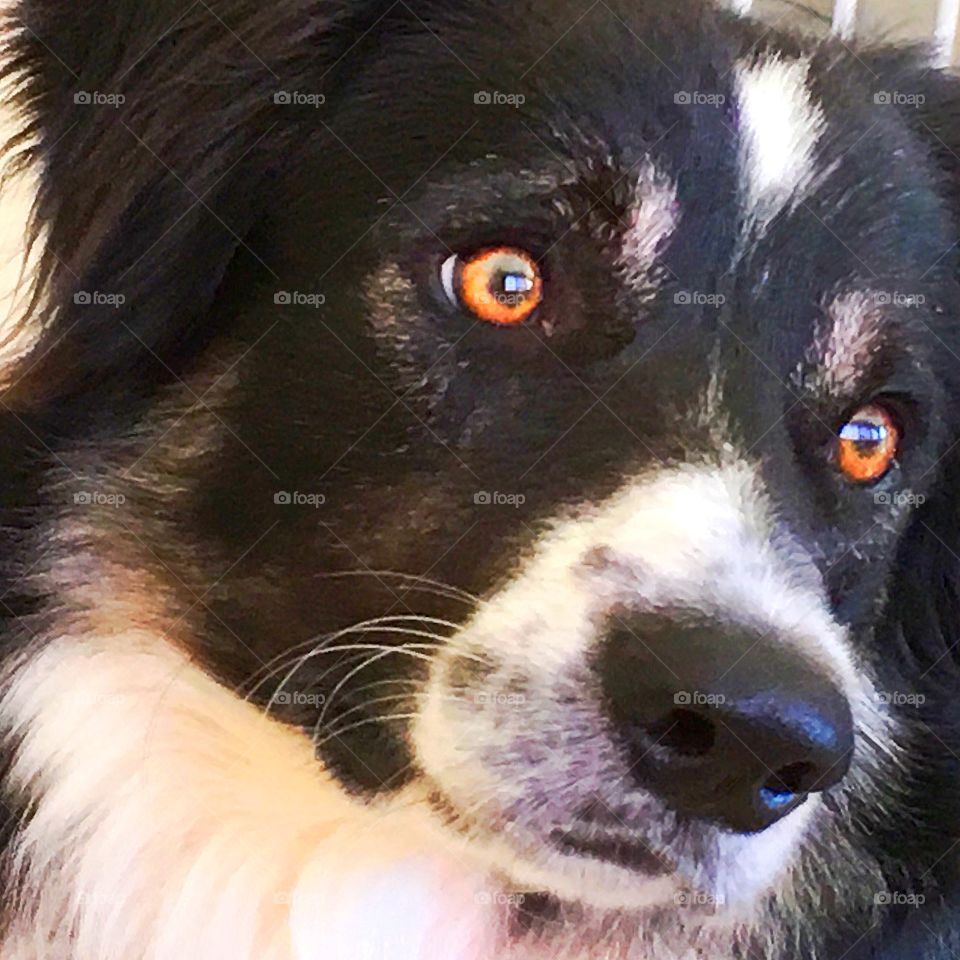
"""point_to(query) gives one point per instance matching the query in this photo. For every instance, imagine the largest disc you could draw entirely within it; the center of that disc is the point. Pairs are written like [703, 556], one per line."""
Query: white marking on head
[780, 126]
[651, 220]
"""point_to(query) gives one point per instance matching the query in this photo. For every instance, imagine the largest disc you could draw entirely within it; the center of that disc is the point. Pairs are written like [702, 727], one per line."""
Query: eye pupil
[867, 444]
[866, 435]
[517, 283]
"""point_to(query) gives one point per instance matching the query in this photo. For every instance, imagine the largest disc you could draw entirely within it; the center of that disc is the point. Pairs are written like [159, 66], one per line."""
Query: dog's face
[650, 657]
[575, 407]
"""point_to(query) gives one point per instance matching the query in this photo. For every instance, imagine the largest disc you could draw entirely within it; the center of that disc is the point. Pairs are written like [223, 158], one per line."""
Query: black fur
[199, 198]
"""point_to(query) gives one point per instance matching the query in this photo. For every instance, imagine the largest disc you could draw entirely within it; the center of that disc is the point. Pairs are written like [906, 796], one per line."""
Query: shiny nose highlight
[724, 723]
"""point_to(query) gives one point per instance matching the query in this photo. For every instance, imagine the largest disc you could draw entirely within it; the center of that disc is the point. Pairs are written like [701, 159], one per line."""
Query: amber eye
[499, 284]
[868, 444]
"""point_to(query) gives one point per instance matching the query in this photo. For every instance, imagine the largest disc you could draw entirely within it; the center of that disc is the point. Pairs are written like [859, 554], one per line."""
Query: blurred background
[897, 20]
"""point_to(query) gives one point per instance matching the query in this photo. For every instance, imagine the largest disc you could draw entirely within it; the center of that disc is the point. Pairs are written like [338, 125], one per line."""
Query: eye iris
[868, 444]
[501, 285]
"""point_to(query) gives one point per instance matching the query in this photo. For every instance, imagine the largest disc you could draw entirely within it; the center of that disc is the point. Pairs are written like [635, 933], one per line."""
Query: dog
[482, 484]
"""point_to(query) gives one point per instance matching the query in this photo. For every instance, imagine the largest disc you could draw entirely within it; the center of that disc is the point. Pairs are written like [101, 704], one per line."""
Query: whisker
[406, 681]
[364, 625]
[409, 695]
[318, 745]
[404, 631]
[427, 584]
[345, 680]
[410, 649]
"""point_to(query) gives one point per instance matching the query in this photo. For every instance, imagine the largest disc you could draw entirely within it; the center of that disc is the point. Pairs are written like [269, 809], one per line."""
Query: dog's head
[553, 408]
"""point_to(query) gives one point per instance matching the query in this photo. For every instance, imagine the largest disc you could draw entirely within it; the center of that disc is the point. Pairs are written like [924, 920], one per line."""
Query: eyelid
[448, 272]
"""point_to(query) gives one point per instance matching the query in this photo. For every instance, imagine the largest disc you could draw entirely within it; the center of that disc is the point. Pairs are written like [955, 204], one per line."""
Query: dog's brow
[651, 219]
[845, 342]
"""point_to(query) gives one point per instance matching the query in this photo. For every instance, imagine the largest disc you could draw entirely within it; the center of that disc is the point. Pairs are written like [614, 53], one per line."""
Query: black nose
[724, 723]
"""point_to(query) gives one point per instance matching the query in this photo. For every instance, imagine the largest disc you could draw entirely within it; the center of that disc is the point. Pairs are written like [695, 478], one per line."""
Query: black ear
[928, 100]
[925, 588]
[158, 128]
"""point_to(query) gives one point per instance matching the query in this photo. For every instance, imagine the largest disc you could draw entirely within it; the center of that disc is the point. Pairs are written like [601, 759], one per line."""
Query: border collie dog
[482, 485]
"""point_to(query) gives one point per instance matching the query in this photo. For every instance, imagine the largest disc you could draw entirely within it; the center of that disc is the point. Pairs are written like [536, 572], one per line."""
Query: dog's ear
[928, 99]
[157, 129]
[925, 588]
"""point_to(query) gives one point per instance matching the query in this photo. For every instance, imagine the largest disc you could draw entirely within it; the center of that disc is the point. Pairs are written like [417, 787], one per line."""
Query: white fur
[651, 220]
[843, 347]
[694, 537]
[780, 126]
[173, 820]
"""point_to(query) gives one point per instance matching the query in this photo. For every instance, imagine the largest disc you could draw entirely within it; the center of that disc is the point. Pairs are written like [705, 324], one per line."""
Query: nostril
[763, 738]
[684, 732]
[788, 782]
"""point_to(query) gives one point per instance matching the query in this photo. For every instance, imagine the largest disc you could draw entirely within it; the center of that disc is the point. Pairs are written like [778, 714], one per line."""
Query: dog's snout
[722, 722]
